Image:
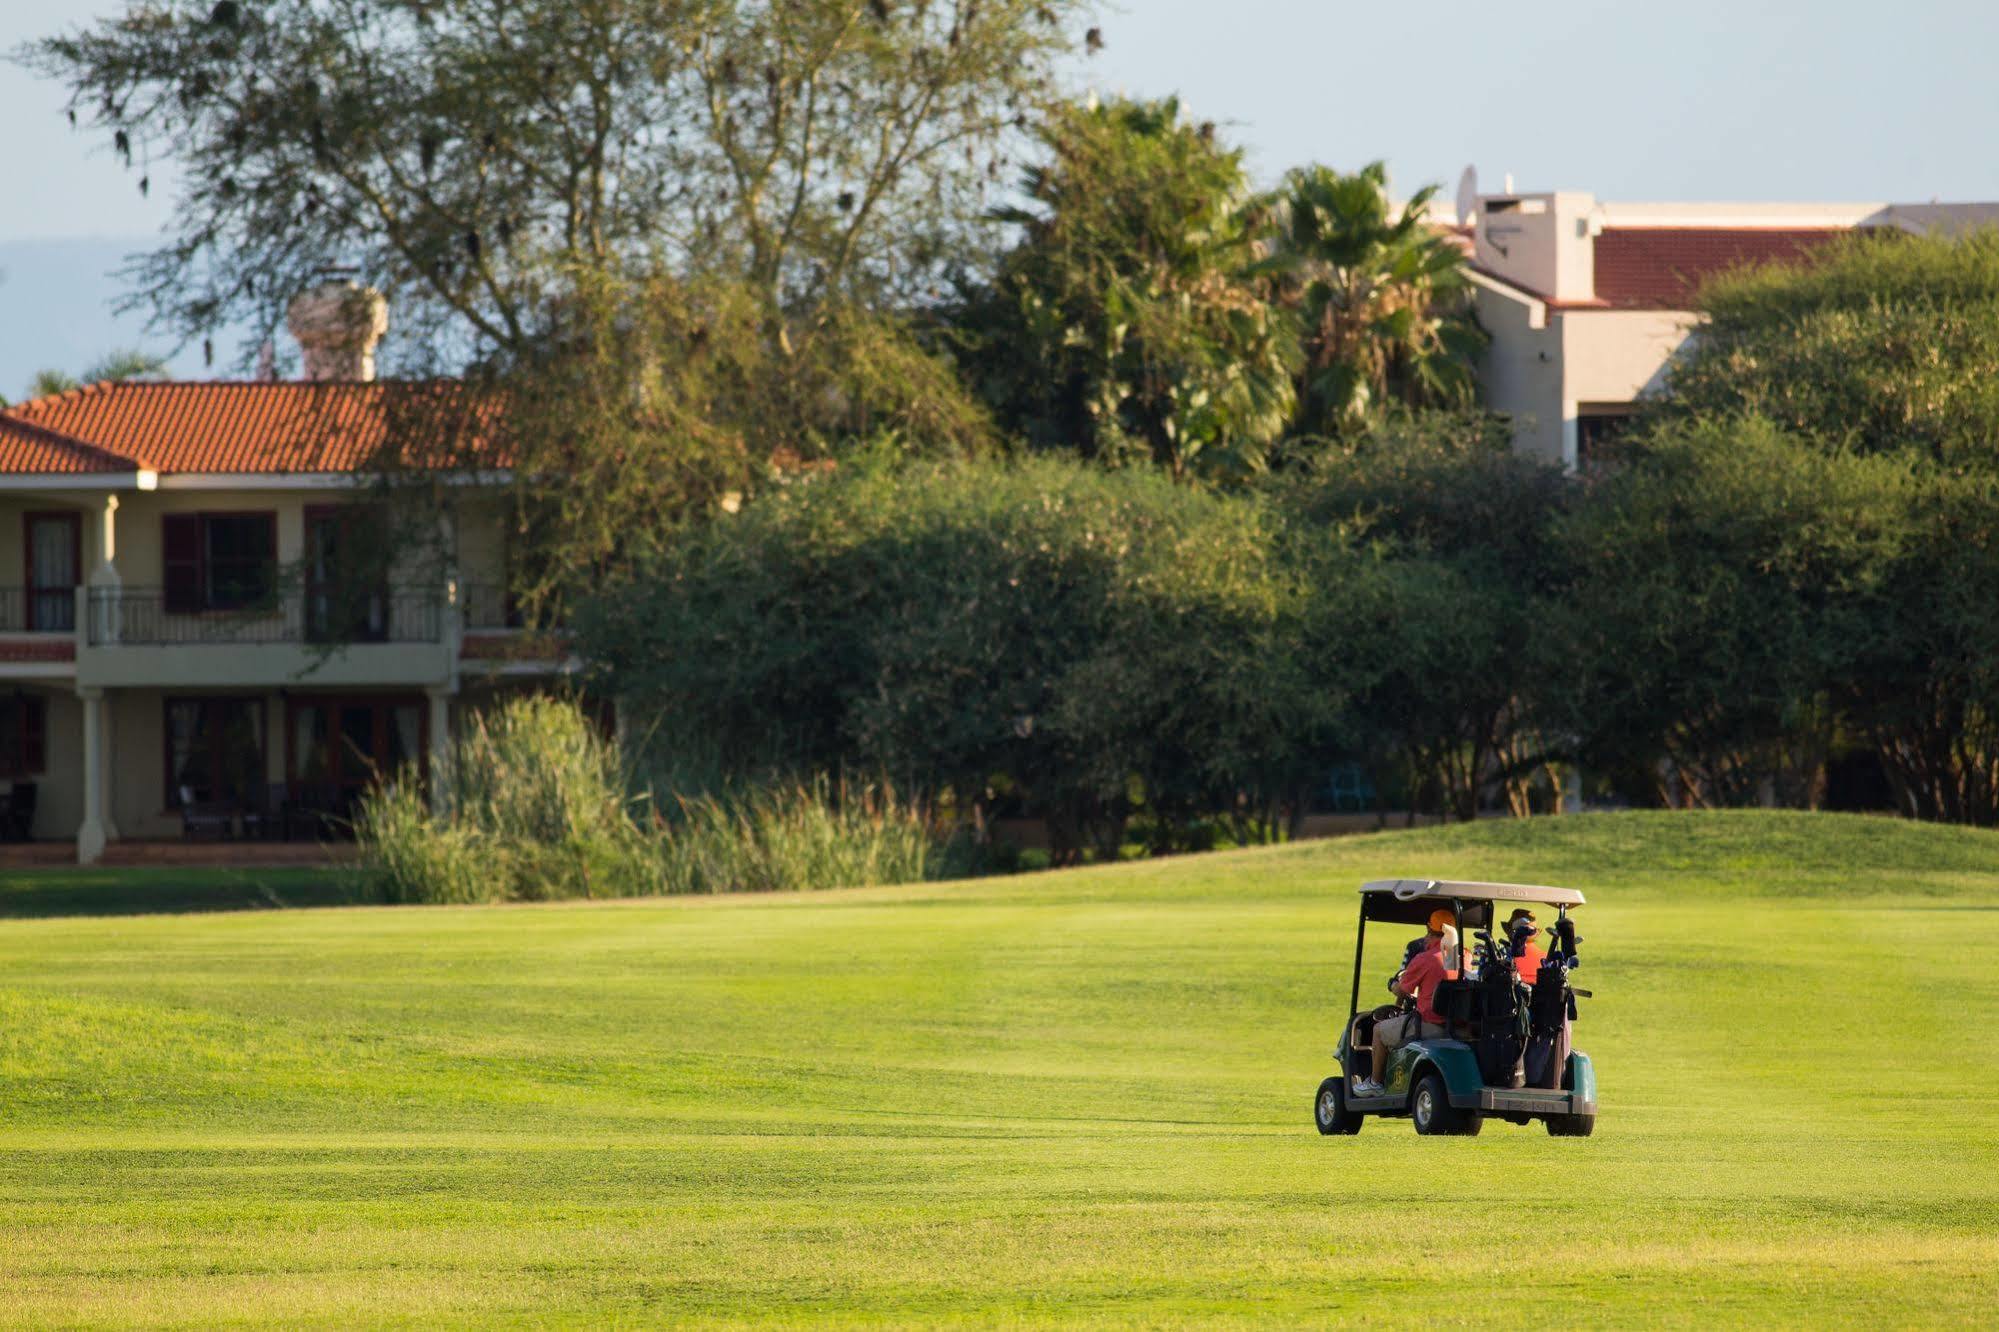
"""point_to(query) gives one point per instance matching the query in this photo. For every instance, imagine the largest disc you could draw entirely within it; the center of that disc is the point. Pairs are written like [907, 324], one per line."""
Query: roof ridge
[116, 385]
[73, 391]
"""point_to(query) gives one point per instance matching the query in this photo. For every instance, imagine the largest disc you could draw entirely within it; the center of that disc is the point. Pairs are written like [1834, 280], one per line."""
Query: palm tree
[1381, 298]
[48, 383]
[1126, 324]
[117, 367]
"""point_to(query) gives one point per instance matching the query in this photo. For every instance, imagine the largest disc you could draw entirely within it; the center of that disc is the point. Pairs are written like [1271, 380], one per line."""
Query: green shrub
[792, 837]
[537, 806]
[1089, 645]
[1095, 642]
[1883, 344]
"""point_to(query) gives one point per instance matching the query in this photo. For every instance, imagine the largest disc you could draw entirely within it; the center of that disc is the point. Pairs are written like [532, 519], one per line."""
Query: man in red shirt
[1418, 982]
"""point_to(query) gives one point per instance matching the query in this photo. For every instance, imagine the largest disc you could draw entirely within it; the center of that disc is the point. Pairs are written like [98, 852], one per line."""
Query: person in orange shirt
[1528, 960]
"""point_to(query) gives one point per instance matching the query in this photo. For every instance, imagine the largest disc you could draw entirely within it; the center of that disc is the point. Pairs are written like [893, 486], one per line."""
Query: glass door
[55, 560]
[346, 575]
[342, 746]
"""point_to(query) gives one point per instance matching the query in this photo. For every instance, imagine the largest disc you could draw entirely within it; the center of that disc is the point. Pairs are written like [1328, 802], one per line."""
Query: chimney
[337, 325]
[1542, 242]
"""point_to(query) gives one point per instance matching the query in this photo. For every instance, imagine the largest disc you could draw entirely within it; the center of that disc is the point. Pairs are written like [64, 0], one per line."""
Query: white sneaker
[1366, 1087]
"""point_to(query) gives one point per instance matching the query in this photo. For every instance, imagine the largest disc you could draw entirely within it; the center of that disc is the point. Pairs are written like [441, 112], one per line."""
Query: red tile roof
[265, 428]
[1660, 268]
[30, 448]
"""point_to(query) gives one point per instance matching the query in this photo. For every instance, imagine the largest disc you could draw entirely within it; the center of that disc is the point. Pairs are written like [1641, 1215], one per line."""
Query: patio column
[93, 834]
[104, 571]
[107, 766]
[440, 746]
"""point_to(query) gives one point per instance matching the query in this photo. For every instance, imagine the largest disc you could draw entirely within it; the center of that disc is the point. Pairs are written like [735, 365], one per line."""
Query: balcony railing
[38, 610]
[140, 616]
[489, 606]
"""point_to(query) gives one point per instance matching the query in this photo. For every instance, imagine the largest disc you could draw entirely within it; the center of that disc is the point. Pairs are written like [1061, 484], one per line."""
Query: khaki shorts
[1403, 1028]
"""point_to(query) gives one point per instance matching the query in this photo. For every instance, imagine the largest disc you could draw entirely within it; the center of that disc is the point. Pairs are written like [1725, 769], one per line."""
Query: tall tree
[467, 156]
[1380, 294]
[1720, 585]
[1122, 324]
[1462, 524]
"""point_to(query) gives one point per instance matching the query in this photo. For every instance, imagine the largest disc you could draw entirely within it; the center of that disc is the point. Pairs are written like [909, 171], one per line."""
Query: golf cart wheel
[1430, 1109]
[1329, 1109]
[1571, 1126]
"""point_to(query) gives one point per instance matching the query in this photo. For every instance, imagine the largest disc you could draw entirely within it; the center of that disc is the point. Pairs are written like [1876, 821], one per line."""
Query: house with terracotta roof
[207, 623]
[1587, 302]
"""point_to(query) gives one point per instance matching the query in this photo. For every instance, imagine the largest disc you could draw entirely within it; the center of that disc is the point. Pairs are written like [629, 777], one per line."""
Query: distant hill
[57, 300]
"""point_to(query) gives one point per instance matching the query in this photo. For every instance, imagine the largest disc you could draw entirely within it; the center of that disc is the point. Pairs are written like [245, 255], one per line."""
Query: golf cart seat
[1468, 1003]
[1456, 1001]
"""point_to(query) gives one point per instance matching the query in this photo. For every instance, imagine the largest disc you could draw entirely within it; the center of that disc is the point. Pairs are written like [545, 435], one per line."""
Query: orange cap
[1441, 917]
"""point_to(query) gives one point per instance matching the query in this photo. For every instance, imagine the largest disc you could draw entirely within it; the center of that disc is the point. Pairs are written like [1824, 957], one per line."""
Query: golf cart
[1507, 1051]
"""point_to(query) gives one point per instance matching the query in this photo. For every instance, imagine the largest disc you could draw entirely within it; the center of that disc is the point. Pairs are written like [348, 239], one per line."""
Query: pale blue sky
[1693, 99]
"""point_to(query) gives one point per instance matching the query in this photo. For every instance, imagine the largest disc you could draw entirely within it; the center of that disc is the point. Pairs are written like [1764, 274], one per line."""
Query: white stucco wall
[59, 789]
[1618, 355]
[1520, 373]
[1539, 377]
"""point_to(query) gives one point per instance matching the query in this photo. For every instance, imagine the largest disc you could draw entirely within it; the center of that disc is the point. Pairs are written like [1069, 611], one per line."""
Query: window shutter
[180, 551]
[270, 553]
[34, 729]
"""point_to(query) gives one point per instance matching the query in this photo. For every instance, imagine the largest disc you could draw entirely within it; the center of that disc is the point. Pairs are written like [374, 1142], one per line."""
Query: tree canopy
[1122, 324]
[469, 156]
[1380, 296]
[1881, 342]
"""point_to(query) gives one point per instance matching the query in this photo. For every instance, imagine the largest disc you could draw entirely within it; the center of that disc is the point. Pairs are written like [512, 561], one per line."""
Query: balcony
[489, 606]
[397, 636]
[37, 610]
[495, 638]
[37, 631]
[141, 616]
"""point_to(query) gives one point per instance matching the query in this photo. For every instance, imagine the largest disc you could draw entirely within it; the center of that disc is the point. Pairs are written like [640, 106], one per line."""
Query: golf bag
[1549, 1011]
[1503, 1022]
[1551, 1008]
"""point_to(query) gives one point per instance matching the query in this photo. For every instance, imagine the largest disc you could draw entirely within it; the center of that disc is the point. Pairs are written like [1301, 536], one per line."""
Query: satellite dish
[1467, 196]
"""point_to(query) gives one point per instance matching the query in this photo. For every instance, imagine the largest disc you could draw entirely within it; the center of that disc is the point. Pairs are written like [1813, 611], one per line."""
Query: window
[54, 562]
[350, 742]
[1599, 430]
[346, 574]
[23, 735]
[215, 750]
[219, 561]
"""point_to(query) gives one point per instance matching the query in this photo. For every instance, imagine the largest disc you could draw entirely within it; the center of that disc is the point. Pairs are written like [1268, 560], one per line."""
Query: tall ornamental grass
[797, 836]
[536, 805]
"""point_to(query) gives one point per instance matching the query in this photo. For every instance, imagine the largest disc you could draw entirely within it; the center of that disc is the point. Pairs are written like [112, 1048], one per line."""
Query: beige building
[208, 622]
[1587, 302]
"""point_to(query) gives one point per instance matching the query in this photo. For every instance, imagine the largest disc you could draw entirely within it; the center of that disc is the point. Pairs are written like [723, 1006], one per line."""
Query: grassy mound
[1080, 1096]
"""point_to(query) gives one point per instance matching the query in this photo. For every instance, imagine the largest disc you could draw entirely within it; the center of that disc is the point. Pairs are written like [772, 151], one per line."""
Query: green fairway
[1077, 1096]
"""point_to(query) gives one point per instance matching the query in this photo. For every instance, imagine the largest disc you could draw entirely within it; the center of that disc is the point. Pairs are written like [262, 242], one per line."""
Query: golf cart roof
[1412, 900]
